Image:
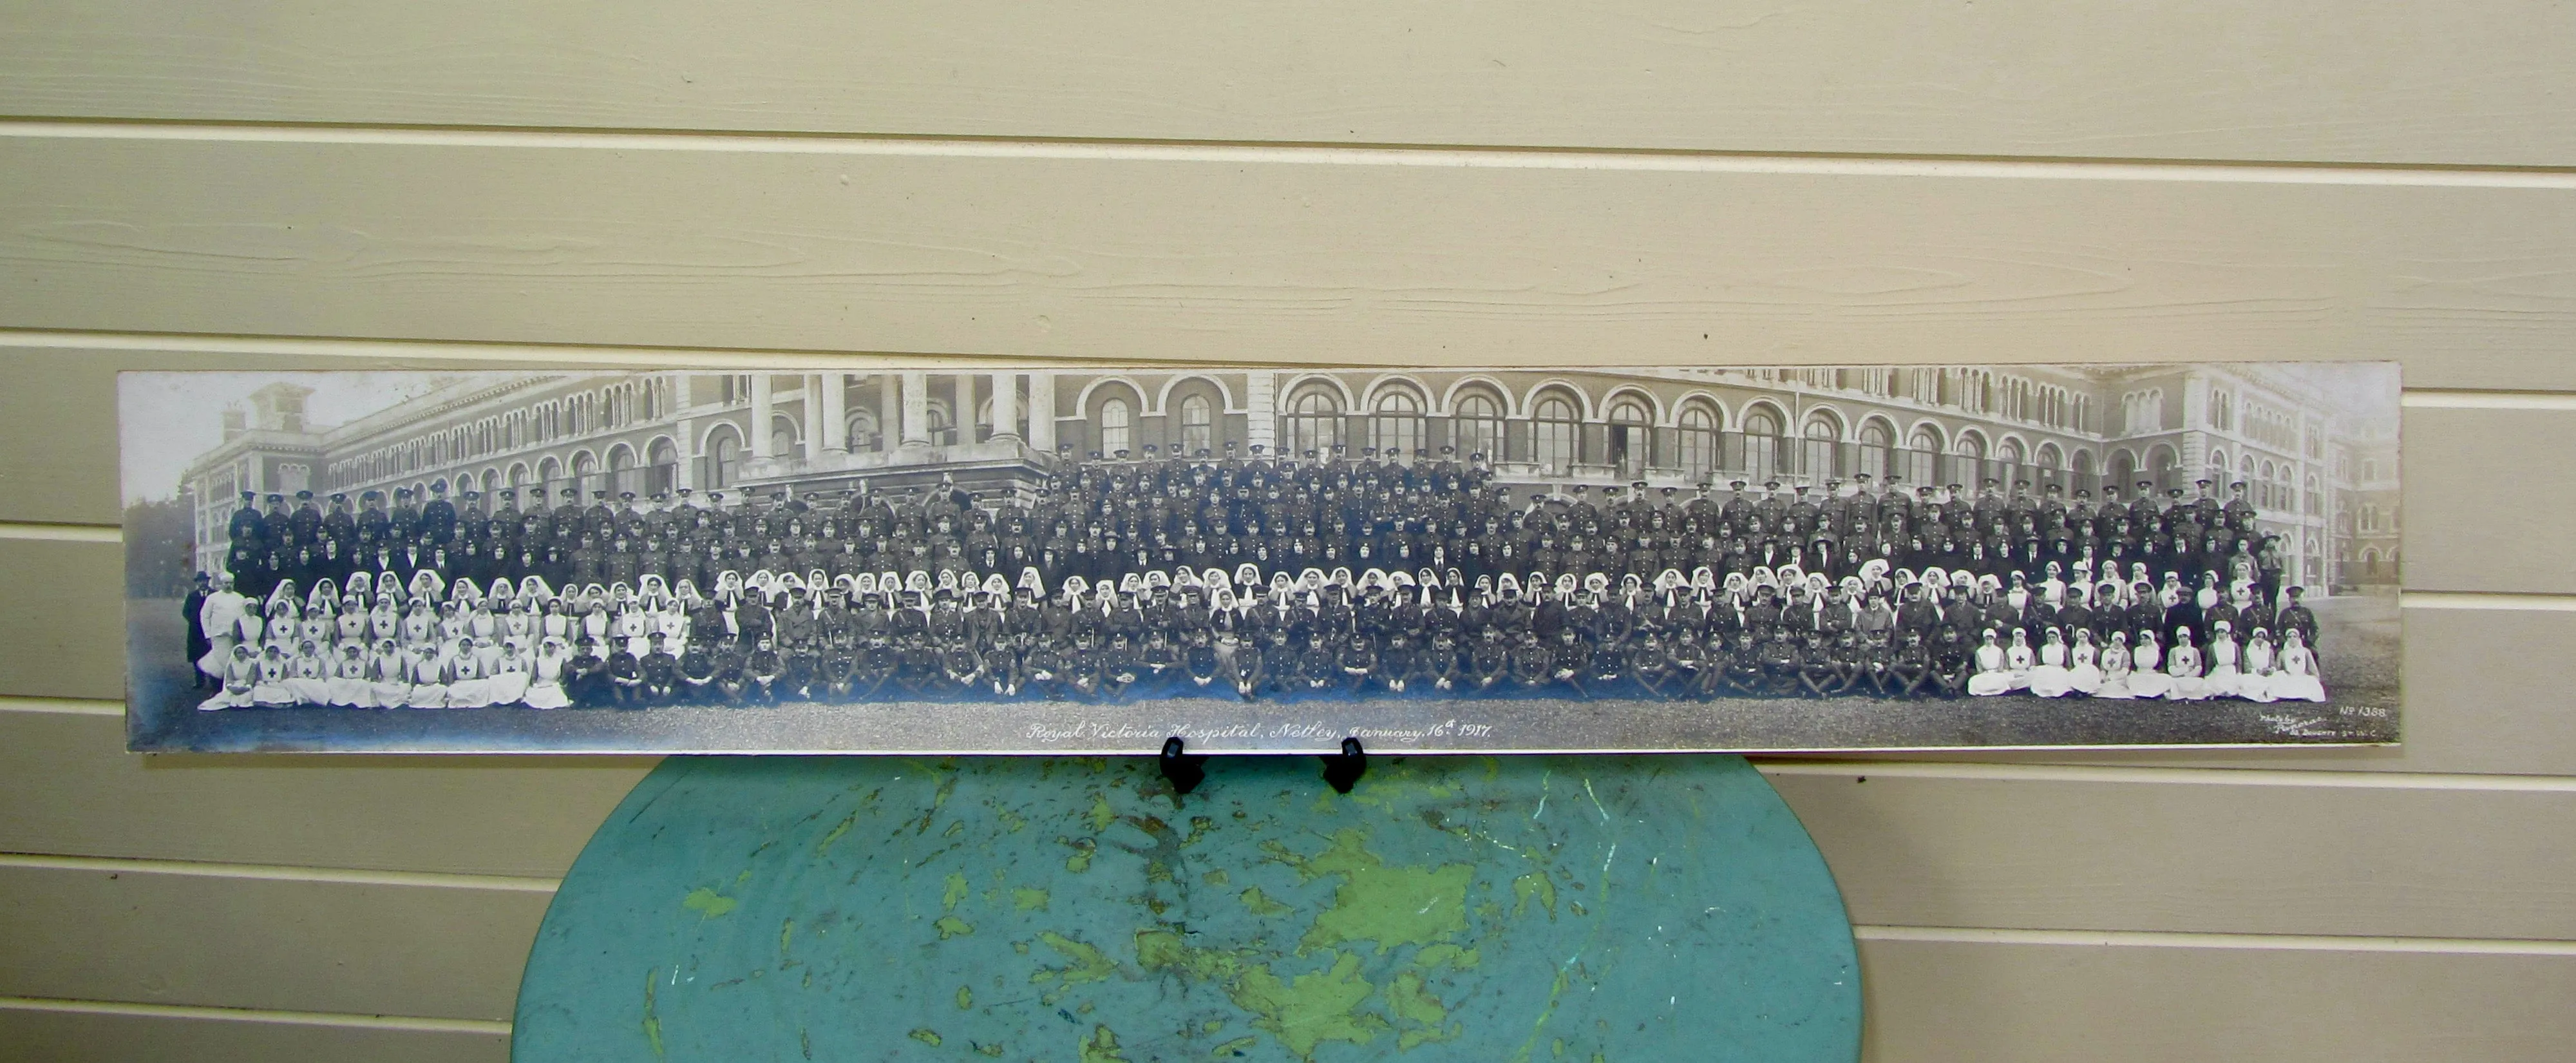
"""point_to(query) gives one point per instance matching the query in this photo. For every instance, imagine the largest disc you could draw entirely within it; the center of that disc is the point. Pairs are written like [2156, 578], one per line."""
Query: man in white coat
[220, 618]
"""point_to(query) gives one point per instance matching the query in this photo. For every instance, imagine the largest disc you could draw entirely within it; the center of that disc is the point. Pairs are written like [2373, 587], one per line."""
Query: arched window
[1968, 464]
[1876, 440]
[1632, 439]
[585, 474]
[1698, 440]
[1923, 457]
[2245, 475]
[782, 436]
[863, 432]
[724, 456]
[549, 474]
[1763, 449]
[663, 467]
[1314, 421]
[1117, 427]
[1479, 426]
[943, 424]
[1817, 456]
[1198, 424]
[1553, 442]
[2162, 467]
[621, 460]
[2315, 500]
[1397, 428]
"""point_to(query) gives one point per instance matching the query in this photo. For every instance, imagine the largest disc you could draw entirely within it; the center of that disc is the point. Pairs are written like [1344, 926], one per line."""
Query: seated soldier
[659, 671]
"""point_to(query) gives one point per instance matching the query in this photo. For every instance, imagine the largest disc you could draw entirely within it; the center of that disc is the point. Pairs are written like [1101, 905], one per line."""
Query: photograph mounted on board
[1086, 559]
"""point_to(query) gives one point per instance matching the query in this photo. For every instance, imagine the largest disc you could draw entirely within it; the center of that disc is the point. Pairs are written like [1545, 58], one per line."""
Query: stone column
[813, 414]
[836, 414]
[685, 473]
[1261, 409]
[760, 414]
[916, 408]
[1006, 406]
[1042, 412]
[889, 411]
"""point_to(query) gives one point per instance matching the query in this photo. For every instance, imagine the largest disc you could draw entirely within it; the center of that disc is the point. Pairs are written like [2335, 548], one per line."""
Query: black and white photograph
[1084, 559]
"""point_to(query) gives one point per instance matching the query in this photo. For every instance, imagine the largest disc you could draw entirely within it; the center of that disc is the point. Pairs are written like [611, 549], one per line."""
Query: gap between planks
[286, 1018]
[1306, 154]
[281, 873]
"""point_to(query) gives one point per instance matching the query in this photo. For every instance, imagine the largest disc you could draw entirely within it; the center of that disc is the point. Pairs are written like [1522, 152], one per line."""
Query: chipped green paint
[927, 1036]
[1312, 1008]
[1424, 1019]
[1100, 1047]
[1089, 964]
[1259, 903]
[652, 1013]
[1258, 931]
[1400, 905]
[1011, 821]
[834, 835]
[707, 903]
[1447, 955]
[1533, 885]
[1164, 952]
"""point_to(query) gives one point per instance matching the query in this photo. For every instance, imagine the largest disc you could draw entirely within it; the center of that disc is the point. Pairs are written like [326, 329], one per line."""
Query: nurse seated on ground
[2182, 664]
[2296, 677]
[2049, 678]
[1993, 676]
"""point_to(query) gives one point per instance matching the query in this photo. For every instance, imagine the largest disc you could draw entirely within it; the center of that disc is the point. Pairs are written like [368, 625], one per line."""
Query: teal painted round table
[1448, 908]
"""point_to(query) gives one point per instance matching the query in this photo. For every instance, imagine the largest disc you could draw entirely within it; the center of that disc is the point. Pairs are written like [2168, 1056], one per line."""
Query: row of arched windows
[607, 408]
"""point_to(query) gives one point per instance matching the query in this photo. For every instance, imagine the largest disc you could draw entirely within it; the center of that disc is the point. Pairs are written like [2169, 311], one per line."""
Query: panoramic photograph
[1269, 559]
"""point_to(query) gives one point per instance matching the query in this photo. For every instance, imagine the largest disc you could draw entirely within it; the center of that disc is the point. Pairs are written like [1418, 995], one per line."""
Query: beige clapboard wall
[371, 184]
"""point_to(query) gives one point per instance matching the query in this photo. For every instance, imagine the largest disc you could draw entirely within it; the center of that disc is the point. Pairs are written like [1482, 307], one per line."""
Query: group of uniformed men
[1118, 576]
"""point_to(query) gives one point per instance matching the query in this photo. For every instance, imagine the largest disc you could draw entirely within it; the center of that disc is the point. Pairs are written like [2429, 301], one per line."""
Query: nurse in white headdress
[509, 676]
[2295, 677]
[239, 673]
[388, 676]
[348, 683]
[270, 690]
[546, 676]
[2115, 669]
[2223, 661]
[2182, 664]
[2083, 668]
[2254, 683]
[1994, 672]
[2049, 677]
[2147, 676]
[309, 675]
[469, 686]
